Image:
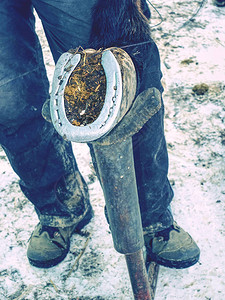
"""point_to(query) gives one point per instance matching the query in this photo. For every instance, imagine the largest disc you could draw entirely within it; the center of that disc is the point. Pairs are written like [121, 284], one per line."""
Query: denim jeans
[49, 176]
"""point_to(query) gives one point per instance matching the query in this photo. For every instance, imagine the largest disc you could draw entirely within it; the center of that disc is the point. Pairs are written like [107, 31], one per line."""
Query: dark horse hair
[119, 23]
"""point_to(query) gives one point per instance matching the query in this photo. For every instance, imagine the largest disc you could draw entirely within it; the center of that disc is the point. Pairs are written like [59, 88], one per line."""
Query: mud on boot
[172, 247]
[48, 246]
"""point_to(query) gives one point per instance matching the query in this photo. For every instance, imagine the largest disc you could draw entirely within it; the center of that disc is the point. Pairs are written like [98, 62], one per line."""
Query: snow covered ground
[192, 53]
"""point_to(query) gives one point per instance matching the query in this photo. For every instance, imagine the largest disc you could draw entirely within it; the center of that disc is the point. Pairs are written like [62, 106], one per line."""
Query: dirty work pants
[48, 172]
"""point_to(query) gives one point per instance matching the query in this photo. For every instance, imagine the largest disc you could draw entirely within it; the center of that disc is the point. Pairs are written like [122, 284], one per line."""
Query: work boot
[172, 247]
[48, 246]
[219, 2]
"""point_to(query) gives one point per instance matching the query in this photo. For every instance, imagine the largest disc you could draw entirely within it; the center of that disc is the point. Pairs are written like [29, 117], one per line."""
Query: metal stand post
[117, 176]
[138, 276]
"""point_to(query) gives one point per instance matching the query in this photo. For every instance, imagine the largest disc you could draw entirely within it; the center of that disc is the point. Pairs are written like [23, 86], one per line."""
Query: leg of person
[149, 146]
[166, 242]
[43, 160]
[67, 24]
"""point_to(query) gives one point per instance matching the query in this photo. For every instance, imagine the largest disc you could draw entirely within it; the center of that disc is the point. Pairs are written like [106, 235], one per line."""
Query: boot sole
[57, 260]
[219, 4]
[174, 264]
